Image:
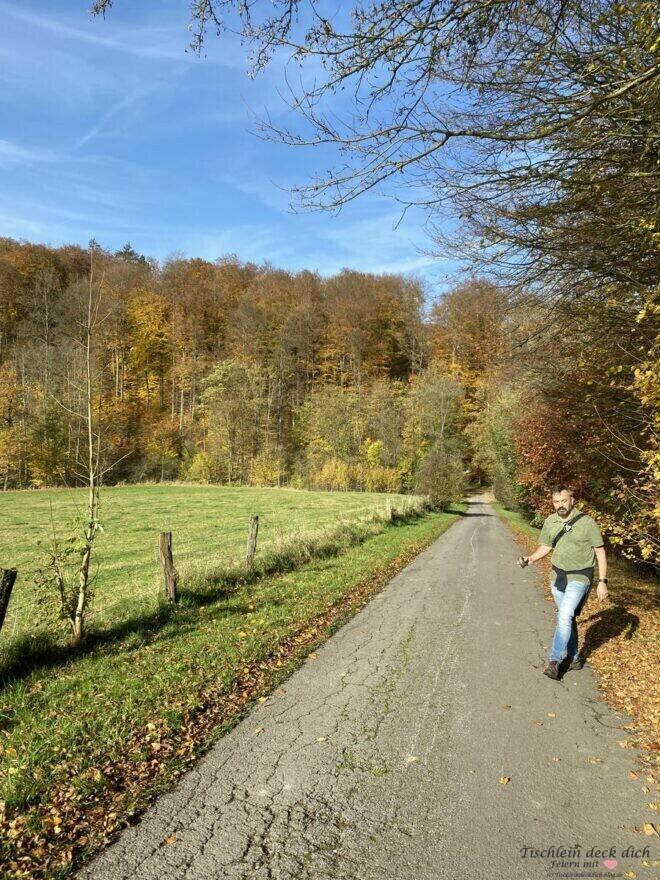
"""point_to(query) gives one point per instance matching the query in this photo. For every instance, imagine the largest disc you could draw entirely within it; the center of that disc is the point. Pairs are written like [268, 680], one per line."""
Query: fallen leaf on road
[170, 840]
[653, 806]
[506, 707]
[630, 874]
[411, 759]
[258, 730]
[646, 789]
[594, 760]
[262, 699]
[505, 779]
[650, 828]
[538, 723]
[626, 744]
[320, 739]
[632, 774]
[557, 759]
[551, 715]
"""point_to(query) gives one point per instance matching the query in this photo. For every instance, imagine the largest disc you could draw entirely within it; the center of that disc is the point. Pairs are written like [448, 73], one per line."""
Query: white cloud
[124, 103]
[165, 43]
[261, 188]
[12, 153]
[252, 242]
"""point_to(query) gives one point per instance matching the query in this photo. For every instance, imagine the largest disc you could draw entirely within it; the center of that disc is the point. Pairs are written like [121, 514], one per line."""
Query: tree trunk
[78, 619]
[193, 392]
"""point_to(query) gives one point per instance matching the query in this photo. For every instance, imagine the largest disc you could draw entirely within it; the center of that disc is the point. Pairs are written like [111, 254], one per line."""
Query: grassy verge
[621, 641]
[86, 746]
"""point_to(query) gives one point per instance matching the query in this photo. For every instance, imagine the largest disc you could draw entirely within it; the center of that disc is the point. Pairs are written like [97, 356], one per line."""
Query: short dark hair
[562, 487]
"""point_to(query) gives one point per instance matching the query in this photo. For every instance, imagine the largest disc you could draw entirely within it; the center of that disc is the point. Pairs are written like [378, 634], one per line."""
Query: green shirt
[576, 549]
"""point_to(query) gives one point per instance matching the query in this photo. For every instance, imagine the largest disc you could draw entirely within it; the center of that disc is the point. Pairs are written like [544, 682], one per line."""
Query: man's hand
[541, 551]
[601, 592]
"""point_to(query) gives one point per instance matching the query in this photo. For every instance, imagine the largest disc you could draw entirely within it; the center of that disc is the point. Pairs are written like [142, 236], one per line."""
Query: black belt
[561, 580]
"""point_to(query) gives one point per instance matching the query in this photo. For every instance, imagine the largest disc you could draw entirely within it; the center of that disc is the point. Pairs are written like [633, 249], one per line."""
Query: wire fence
[128, 580]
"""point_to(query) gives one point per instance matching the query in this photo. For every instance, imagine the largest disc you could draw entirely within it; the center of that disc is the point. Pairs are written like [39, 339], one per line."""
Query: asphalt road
[381, 759]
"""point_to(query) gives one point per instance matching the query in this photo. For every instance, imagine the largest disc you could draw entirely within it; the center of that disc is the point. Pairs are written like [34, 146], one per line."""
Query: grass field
[208, 523]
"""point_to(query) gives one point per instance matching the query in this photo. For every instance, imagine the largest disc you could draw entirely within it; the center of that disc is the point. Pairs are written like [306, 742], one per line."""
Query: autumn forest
[233, 373]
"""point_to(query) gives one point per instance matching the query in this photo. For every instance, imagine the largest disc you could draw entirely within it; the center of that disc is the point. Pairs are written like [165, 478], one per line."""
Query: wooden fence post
[7, 579]
[170, 573]
[252, 542]
[388, 509]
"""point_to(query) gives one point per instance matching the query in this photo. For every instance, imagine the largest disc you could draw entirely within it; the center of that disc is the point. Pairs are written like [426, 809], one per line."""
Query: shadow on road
[467, 513]
[470, 504]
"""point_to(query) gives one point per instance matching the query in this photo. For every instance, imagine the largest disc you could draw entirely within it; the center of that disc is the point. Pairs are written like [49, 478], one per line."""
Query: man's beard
[562, 510]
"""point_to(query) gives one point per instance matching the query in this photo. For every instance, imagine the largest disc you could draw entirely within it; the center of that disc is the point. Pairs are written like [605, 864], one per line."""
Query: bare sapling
[92, 468]
[68, 564]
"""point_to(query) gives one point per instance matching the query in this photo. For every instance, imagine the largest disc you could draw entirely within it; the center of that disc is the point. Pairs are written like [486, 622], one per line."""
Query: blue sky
[111, 130]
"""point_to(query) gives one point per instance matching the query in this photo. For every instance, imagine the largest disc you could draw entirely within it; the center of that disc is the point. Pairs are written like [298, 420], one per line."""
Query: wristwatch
[602, 580]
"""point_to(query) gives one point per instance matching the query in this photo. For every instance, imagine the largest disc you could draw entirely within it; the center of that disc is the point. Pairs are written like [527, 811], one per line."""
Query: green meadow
[209, 524]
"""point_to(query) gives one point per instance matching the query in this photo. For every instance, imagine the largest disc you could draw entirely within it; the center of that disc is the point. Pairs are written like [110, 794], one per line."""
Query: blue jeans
[565, 640]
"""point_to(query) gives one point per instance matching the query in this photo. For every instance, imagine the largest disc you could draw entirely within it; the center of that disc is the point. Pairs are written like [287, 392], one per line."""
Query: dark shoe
[564, 666]
[552, 670]
[577, 664]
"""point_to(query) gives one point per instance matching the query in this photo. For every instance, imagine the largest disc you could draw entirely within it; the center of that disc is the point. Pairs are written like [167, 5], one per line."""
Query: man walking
[575, 541]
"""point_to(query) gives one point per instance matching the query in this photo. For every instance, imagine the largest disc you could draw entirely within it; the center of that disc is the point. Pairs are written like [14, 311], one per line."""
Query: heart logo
[610, 864]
